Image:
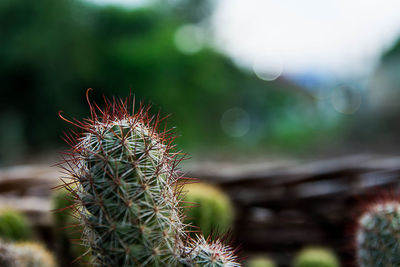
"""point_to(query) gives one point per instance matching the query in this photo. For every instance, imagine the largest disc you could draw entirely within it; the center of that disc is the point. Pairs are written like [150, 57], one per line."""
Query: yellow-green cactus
[260, 261]
[316, 257]
[211, 209]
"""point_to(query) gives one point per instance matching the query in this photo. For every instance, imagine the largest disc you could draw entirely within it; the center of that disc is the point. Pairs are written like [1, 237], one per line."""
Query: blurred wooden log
[37, 209]
[280, 206]
[29, 179]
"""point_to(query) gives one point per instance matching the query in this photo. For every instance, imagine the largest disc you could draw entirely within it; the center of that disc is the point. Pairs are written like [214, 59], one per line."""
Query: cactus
[67, 230]
[316, 257]
[260, 261]
[7, 256]
[204, 253]
[378, 235]
[31, 254]
[25, 254]
[126, 188]
[214, 212]
[14, 226]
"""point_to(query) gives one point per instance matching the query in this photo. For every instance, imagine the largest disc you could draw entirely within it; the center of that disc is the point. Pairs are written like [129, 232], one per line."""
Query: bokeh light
[235, 122]
[346, 99]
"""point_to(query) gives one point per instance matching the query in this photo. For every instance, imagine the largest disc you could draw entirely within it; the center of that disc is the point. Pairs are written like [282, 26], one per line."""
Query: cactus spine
[126, 188]
[378, 235]
[204, 253]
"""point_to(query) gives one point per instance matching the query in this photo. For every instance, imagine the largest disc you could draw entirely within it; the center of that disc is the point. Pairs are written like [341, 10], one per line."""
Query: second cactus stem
[127, 192]
[378, 235]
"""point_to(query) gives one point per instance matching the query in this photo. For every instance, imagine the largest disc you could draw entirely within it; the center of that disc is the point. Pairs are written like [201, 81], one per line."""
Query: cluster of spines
[378, 235]
[206, 253]
[126, 188]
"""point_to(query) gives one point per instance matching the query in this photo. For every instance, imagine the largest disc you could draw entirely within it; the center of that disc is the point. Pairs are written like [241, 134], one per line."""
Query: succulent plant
[202, 252]
[14, 226]
[316, 257]
[260, 261]
[126, 188]
[31, 254]
[25, 254]
[7, 255]
[211, 211]
[378, 235]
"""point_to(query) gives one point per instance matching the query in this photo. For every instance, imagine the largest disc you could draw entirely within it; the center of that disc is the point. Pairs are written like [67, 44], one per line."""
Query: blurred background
[263, 94]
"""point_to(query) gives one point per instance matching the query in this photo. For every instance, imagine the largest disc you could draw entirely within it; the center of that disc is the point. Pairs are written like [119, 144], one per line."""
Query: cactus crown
[378, 235]
[126, 192]
[123, 176]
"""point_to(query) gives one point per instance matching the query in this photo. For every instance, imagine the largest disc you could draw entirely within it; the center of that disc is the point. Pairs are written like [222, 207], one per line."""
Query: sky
[333, 37]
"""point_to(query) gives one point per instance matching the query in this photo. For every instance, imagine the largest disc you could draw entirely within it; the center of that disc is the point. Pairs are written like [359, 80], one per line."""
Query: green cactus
[214, 213]
[14, 226]
[316, 257]
[260, 261]
[67, 230]
[202, 252]
[378, 235]
[126, 189]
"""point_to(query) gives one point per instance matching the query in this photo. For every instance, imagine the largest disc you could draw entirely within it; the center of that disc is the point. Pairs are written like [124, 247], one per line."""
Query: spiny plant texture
[126, 187]
[378, 235]
[202, 252]
[316, 257]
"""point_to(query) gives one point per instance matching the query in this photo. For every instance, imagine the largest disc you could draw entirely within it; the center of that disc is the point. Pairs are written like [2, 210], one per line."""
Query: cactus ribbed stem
[378, 235]
[126, 189]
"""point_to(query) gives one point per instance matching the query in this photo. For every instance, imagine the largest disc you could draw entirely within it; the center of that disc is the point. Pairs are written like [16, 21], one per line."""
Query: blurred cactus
[25, 254]
[7, 255]
[378, 235]
[127, 193]
[14, 226]
[214, 213]
[31, 254]
[67, 230]
[316, 257]
[260, 261]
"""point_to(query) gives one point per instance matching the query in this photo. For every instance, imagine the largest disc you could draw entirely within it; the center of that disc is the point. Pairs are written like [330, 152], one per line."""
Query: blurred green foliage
[14, 226]
[51, 51]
